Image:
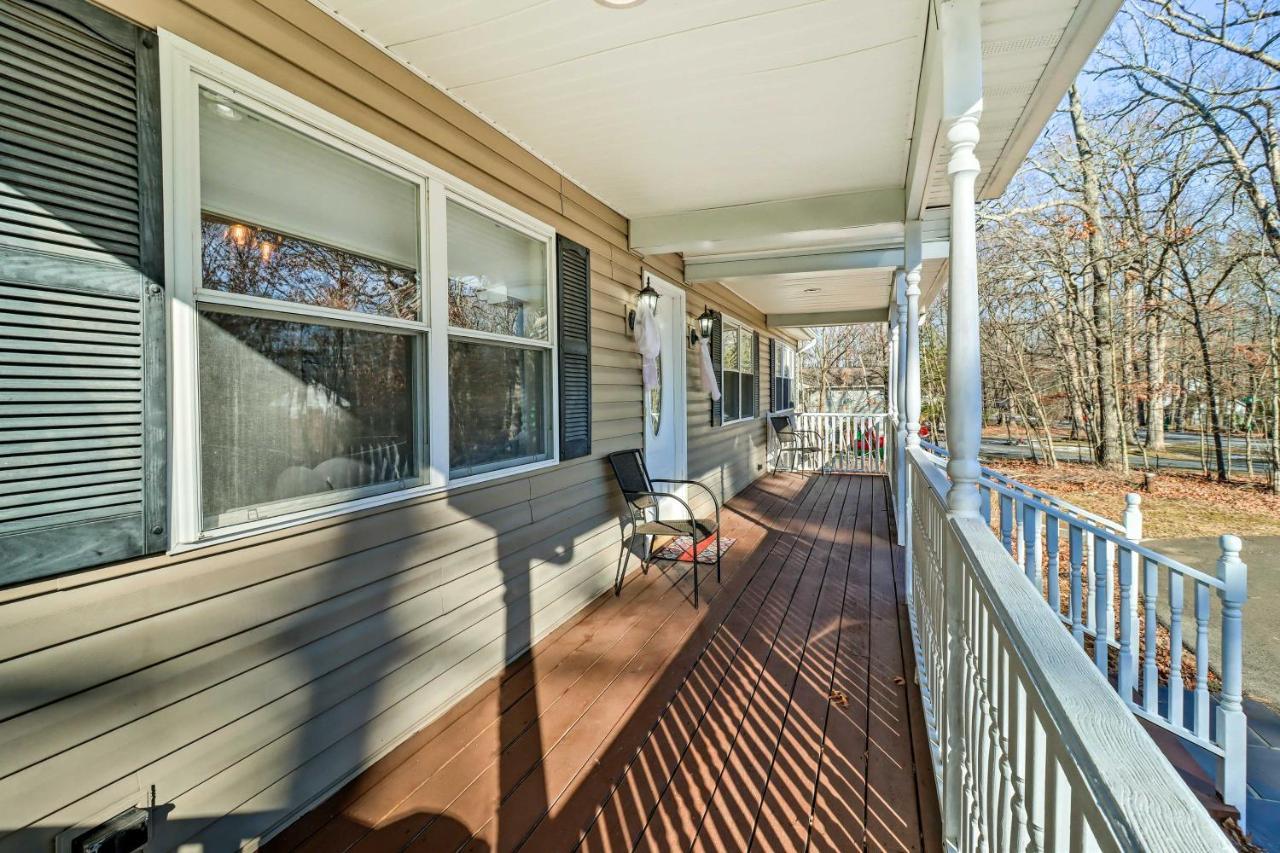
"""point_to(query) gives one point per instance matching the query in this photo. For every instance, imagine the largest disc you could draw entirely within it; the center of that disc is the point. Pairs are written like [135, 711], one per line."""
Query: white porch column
[900, 393]
[911, 397]
[890, 402]
[915, 269]
[960, 22]
[962, 82]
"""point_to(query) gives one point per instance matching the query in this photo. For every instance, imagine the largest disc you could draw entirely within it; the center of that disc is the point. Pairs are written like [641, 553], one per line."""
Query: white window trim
[725, 321]
[184, 68]
[780, 350]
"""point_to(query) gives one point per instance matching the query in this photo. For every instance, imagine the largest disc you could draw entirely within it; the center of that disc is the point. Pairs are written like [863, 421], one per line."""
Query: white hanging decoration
[707, 370]
[649, 344]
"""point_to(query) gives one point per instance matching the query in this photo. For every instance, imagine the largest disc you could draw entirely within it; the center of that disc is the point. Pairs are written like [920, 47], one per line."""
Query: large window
[784, 371]
[327, 359]
[499, 345]
[737, 375]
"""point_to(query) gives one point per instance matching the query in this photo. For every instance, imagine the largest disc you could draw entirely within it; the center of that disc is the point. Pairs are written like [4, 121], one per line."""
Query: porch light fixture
[619, 4]
[705, 321]
[647, 301]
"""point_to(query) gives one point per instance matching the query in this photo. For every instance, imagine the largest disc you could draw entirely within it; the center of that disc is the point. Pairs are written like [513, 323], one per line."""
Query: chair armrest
[670, 497]
[702, 486]
[813, 435]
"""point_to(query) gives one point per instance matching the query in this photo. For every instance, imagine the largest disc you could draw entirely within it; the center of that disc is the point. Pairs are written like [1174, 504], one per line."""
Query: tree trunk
[1210, 390]
[1109, 450]
[1155, 365]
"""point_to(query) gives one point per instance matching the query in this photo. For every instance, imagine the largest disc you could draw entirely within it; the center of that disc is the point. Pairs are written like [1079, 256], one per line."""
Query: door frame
[678, 338]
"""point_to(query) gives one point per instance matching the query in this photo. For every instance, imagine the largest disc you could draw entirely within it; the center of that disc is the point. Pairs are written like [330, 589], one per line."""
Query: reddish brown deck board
[644, 721]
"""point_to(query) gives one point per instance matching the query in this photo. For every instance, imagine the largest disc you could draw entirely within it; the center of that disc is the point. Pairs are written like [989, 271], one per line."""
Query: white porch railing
[1032, 747]
[1121, 627]
[848, 443]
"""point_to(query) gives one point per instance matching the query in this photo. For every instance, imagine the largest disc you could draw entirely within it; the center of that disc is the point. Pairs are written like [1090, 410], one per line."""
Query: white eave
[778, 145]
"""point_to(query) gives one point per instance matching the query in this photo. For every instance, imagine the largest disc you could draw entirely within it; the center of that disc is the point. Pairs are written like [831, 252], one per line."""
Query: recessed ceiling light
[619, 4]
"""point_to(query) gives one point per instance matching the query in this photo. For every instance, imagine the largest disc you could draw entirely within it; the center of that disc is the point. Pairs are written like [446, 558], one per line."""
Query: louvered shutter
[773, 375]
[717, 360]
[755, 376]
[573, 275]
[82, 342]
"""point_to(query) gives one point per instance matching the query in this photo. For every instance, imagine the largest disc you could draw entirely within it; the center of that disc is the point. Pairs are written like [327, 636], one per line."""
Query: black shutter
[573, 277]
[773, 375]
[755, 375]
[82, 340]
[717, 360]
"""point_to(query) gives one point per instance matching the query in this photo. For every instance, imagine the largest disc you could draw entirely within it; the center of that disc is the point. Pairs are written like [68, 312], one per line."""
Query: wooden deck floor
[779, 715]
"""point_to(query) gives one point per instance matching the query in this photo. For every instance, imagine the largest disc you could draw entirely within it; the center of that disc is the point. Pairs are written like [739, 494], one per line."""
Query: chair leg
[718, 552]
[617, 583]
[695, 582]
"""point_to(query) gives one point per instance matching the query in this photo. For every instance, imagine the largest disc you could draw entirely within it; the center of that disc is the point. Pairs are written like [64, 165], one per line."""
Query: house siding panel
[247, 679]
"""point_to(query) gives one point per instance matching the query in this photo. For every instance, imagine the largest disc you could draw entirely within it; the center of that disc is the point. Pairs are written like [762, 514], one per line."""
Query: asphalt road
[1000, 448]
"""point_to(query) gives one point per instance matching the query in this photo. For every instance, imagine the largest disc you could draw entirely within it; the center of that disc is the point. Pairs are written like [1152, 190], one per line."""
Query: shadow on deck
[778, 715]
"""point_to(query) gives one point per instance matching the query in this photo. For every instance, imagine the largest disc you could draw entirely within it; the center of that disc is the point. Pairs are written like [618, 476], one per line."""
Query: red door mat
[681, 548]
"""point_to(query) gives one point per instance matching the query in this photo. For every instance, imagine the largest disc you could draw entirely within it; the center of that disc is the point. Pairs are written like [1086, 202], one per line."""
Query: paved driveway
[1261, 667]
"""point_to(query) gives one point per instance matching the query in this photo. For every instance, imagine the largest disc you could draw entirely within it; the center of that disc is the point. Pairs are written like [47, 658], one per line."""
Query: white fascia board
[766, 224]
[1088, 25]
[926, 128]
[829, 318]
[700, 271]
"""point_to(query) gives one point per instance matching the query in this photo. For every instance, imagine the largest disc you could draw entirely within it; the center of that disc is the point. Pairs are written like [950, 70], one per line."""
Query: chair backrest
[784, 426]
[632, 476]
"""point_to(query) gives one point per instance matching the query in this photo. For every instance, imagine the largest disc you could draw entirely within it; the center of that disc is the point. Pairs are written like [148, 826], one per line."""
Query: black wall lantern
[706, 320]
[647, 301]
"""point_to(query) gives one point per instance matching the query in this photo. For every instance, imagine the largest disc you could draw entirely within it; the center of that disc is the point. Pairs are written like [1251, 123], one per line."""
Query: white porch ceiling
[747, 128]
[673, 106]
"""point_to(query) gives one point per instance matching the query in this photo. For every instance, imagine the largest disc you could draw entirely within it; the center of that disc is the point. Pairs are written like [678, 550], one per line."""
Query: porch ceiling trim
[700, 271]
[767, 224]
[829, 318]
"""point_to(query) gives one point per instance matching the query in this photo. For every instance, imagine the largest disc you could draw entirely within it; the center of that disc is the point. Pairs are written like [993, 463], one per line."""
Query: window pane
[499, 406]
[745, 355]
[747, 405]
[240, 258]
[297, 410]
[497, 276]
[344, 218]
[729, 350]
[729, 396]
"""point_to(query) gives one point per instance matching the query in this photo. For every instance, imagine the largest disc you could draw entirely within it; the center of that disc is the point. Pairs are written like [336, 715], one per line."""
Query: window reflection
[246, 259]
[290, 410]
[497, 406]
[497, 277]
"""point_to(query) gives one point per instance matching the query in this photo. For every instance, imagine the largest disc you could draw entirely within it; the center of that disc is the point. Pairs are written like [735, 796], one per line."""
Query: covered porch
[780, 714]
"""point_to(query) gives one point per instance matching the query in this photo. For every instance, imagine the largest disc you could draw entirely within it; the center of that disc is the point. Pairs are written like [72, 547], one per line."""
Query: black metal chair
[641, 496]
[796, 442]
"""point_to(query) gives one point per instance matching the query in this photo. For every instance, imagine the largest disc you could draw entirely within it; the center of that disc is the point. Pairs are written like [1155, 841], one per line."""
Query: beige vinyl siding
[247, 680]
[727, 458]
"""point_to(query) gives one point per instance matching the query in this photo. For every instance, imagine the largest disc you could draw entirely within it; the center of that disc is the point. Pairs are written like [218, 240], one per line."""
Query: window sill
[350, 507]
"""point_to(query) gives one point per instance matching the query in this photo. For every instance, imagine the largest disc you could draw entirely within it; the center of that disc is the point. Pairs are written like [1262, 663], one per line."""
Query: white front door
[665, 415]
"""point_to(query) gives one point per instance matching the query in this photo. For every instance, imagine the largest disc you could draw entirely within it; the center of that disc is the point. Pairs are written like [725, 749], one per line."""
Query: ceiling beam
[766, 224]
[828, 318]
[863, 259]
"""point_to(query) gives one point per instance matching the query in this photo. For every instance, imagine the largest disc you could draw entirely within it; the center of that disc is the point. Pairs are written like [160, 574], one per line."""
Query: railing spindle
[1150, 674]
[1101, 625]
[1051, 574]
[1075, 538]
[1006, 522]
[1176, 584]
[1201, 723]
[1125, 663]
[1031, 544]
